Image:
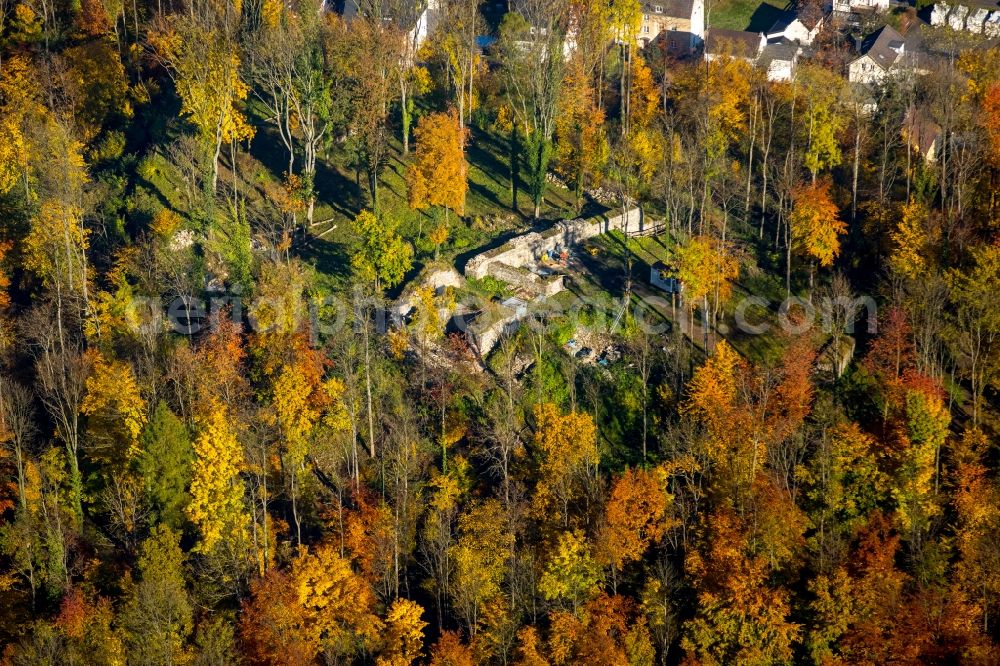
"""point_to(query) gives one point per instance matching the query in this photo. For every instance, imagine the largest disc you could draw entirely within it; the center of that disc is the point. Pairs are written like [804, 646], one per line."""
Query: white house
[423, 18]
[939, 15]
[794, 29]
[991, 28]
[956, 19]
[779, 59]
[982, 17]
[881, 54]
[976, 20]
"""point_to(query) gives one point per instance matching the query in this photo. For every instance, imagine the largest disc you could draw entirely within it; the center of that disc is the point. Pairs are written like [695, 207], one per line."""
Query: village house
[795, 28]
[680, 24]
[422, 18]
[720, 42]
[777, 58]
[974, 16]
[882, 54]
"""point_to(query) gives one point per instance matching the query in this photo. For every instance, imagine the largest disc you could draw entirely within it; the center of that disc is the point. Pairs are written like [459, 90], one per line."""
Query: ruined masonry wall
[527, 248]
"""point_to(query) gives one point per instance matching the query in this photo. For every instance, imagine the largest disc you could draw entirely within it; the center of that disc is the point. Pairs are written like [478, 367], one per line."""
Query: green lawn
[732, 14]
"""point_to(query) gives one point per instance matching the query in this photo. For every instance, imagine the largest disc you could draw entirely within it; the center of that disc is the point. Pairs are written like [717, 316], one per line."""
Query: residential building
[720, 42]
[882, 54]
[795, 28]
[921, 133]
[975, 16]
[777, 57]
[420, 16]
[680, 24]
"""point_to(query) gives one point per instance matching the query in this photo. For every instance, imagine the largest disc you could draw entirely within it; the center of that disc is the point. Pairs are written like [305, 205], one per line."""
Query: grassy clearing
[489, 212]
[489, 220]
[731, 14]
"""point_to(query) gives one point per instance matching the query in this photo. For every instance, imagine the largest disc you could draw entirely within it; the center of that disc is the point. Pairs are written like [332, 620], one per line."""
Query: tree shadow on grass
[487, 194]
[330, 257]
[333, 187]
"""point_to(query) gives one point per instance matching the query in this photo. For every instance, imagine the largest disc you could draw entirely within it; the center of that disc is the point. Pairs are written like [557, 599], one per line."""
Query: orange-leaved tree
[741, 616]
[815, 228]
[320, 606]
[635, 516]
[437, 176]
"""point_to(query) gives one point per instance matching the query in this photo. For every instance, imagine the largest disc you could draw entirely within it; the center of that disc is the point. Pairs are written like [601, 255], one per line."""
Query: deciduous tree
[158, 614]
[571, 575]
[383, 257]
[216, 506]
[815, 227]
[566, 449]
[531, 57]
[205, 68]
[438, 174]
[975, 330]
[635, 516]
[403, 637]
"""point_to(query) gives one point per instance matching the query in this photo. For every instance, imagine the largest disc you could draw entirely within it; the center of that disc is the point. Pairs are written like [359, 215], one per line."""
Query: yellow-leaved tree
[336, 602]
[572, 574]
[581, 149]
[295, 413]
[403, 636]
[18, 100]
[912, 241]
[479, 556]
[566, 448]
[205, 68]
[437, 176]
[706, 268]
[217, 509]
[712, 390]
[113, 399]
[821, 92]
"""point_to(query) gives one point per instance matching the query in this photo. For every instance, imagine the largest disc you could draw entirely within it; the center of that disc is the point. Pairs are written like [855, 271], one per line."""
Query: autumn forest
[300, 362]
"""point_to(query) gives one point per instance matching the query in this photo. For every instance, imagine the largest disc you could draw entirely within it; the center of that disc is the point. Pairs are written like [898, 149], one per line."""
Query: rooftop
[884, 46]
[733, 42]
[779, 50]
[672, 8]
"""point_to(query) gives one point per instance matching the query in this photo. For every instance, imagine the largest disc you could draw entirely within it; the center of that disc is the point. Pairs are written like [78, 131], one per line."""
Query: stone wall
[975, 19]
[433, 276]
[529, 247]
[522, 278]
